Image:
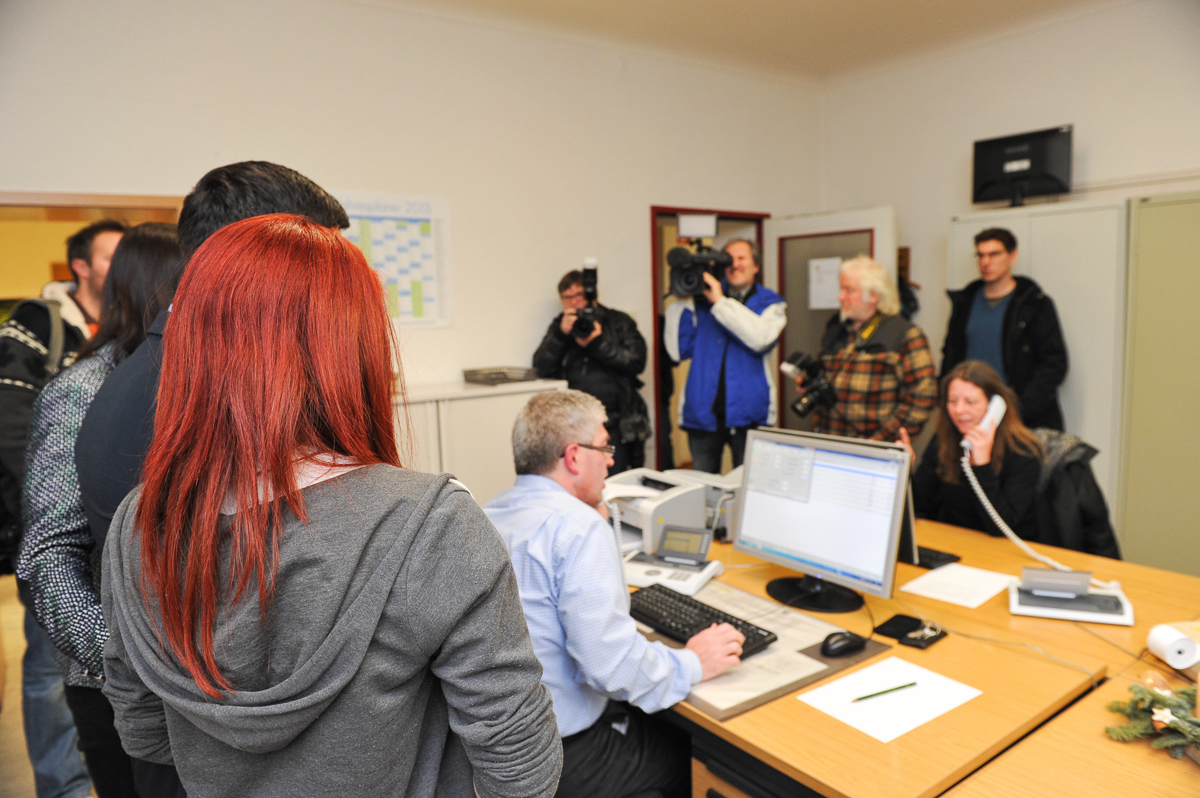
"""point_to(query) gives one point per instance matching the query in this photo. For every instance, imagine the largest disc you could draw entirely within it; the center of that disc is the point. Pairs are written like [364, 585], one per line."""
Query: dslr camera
[585, 321]
[818, 392]
[688, 268]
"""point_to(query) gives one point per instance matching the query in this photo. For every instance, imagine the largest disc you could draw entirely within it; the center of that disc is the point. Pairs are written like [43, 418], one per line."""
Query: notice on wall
[823, 283]
[406, 240]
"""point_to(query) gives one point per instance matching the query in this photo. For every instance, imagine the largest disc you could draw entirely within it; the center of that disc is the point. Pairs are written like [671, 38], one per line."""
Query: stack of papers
[960, 584]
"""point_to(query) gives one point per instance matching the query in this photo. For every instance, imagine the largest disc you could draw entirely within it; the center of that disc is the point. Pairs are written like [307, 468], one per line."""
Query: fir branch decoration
[1172, 710]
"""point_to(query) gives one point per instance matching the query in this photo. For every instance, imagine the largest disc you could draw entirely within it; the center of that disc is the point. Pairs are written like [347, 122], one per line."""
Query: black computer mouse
[840, 644]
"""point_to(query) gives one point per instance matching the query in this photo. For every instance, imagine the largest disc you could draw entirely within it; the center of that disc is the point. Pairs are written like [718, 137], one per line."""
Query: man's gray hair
[872, 278]
[550, 422]
[754, 253]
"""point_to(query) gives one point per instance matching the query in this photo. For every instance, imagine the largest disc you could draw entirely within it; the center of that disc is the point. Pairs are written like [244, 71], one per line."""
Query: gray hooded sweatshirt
[394, 659]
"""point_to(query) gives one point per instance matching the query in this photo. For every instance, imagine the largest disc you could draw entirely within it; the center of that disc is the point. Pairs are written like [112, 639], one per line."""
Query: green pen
[889, 690]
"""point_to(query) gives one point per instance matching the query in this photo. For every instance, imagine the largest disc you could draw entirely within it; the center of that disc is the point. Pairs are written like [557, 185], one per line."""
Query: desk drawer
[706, 785]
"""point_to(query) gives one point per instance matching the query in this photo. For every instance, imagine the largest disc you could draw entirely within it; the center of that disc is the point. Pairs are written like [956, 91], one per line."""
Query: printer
[648, 500]
[721, 492]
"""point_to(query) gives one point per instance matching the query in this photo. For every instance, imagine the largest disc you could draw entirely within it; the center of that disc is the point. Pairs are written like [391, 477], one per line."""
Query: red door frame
[655, 282]
[781, 282]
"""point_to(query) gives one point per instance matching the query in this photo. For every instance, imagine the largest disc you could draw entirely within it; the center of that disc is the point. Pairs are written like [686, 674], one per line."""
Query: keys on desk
[678, 617]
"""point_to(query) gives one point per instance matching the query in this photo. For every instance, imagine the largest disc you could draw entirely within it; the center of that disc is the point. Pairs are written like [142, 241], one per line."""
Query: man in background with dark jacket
[1007, 322]
[119, 425]
[605, 363]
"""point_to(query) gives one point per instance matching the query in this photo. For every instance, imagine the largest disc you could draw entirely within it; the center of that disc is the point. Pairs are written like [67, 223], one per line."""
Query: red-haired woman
[1006, 460]
[293, 613]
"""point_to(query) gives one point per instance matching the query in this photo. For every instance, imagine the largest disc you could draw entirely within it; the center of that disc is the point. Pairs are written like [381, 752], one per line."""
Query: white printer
[721, 492]
[649, 499]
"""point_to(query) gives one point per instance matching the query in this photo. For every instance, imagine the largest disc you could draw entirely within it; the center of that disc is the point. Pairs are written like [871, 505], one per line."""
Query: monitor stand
[813, 594]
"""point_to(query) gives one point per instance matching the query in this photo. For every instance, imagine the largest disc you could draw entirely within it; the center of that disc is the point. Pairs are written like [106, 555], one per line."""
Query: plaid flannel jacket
[883, 376]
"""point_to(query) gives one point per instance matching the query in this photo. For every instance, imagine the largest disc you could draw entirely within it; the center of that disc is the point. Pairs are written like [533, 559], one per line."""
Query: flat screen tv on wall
[1033, 164]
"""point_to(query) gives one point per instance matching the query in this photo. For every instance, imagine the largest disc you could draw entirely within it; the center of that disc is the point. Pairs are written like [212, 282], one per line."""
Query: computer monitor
[828, 507]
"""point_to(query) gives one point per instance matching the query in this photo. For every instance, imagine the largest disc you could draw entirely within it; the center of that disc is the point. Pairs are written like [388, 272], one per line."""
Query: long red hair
[279, 349]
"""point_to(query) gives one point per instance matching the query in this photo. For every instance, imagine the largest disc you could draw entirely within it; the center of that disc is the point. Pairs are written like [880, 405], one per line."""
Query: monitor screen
[828, 507]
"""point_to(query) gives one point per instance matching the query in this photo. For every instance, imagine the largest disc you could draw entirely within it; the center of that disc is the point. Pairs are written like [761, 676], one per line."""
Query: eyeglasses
[989, 255]
[607, 451]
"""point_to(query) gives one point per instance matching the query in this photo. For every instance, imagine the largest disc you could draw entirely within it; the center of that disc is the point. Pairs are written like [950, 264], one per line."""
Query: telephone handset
[992, 418]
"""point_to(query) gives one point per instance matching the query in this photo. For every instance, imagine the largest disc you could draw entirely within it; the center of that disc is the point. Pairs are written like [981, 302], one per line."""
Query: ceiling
[818, 38]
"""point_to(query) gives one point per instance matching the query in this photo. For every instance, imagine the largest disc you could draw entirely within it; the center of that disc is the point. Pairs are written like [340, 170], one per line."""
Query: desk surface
[1021, 688]
[1072, 751]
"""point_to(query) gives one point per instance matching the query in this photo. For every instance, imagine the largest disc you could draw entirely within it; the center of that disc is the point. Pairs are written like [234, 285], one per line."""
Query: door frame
[781, 282]
[655, 281]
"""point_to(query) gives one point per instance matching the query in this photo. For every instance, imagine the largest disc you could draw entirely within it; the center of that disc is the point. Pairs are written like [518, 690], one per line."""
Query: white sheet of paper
[823, 283]
[886, 717]
[959, 584]
[623, 491]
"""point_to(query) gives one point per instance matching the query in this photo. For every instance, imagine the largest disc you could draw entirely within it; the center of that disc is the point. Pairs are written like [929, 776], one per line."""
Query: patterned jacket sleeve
[56, 551]
[918, 388]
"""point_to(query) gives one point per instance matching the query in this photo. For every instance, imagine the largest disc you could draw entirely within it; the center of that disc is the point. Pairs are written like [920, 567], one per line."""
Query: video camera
[817, 390]
[688, 268]
[585, 320]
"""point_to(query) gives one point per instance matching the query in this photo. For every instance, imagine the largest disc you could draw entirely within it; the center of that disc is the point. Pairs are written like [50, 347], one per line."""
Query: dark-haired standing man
[119, 425]
[37, 341]
[1010, 324]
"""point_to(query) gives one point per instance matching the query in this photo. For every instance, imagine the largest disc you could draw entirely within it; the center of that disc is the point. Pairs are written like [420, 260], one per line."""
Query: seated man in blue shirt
[603, 674]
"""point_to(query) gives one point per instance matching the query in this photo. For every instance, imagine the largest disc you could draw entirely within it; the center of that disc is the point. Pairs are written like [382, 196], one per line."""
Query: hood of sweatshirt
[334, 577]
[71, 314]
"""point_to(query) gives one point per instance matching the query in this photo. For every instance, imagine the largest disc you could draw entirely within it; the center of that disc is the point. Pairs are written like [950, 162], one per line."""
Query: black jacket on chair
[1035, 355]
[1071, 511]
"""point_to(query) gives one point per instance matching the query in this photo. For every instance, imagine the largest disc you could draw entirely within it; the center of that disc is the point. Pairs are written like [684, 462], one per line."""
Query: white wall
[550, 149]
[1126, 75]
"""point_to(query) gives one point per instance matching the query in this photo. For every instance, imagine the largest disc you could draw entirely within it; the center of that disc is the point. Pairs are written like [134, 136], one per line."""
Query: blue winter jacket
[749, 384]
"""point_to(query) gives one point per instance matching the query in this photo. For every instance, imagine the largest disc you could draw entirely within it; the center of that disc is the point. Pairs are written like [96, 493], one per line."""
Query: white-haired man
[878, 362]
[603, 674]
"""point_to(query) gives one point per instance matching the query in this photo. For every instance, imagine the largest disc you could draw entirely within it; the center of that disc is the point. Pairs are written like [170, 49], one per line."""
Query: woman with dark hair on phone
[1006, 460]
[292, 612]
[59, 551]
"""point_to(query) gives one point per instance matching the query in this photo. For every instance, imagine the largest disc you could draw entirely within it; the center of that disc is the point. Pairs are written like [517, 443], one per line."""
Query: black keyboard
[678, 617]
[932, 558]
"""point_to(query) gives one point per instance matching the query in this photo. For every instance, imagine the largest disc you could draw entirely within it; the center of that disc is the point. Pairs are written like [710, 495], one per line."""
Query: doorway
[669, 378]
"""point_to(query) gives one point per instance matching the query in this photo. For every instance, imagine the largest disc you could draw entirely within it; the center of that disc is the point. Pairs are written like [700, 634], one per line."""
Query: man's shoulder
[764, 296]
[553, 509]
[1027, 290]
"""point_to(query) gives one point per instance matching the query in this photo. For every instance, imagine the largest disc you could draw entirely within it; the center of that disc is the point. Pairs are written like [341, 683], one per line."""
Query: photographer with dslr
[728, 329]
[599, 351]
[876, 361]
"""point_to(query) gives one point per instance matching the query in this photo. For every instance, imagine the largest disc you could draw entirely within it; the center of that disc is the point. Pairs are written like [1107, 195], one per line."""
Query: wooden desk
[1071, 756]
[1021, 688]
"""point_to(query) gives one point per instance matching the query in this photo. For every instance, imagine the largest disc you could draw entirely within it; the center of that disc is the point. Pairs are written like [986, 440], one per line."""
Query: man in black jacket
[1007, 322]
[605, 363]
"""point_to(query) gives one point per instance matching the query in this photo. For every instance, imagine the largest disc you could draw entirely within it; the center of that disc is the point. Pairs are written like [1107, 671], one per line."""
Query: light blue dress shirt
[577, 607]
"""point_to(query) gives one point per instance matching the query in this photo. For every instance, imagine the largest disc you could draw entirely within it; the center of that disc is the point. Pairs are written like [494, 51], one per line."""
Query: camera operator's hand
[568, 321]
[800, 389]
[596, 331]
[713, 293]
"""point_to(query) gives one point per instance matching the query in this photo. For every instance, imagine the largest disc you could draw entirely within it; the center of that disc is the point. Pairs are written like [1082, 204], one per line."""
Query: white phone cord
[717, 511]
[1008, 533]
[614, 513]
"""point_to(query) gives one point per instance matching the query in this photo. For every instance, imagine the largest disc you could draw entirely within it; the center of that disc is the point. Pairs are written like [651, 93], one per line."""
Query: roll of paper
[1173, 646]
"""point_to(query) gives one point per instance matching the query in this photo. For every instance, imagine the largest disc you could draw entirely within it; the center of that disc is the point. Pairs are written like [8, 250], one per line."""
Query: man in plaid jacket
[878, 362]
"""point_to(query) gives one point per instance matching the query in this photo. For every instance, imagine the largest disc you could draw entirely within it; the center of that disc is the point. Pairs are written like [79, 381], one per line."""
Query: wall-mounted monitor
[1033, 164]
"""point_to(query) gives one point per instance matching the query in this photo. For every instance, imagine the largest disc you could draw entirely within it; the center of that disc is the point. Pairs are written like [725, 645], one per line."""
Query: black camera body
[688, 268]
[818, 392]
[585, 321]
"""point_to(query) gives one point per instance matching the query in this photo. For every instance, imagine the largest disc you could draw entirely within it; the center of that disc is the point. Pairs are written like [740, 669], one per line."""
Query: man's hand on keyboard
[719, 647]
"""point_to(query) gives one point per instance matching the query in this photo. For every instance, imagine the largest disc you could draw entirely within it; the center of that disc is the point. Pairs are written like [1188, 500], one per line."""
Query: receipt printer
[721, 493]
[649, 499]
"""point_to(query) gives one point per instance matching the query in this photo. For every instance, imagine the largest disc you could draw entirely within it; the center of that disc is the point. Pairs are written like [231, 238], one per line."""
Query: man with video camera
[728, 330]
[878, 375]
[599, 351]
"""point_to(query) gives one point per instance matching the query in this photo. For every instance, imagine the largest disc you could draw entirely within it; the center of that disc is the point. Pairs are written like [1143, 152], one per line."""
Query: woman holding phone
[1006, 458]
